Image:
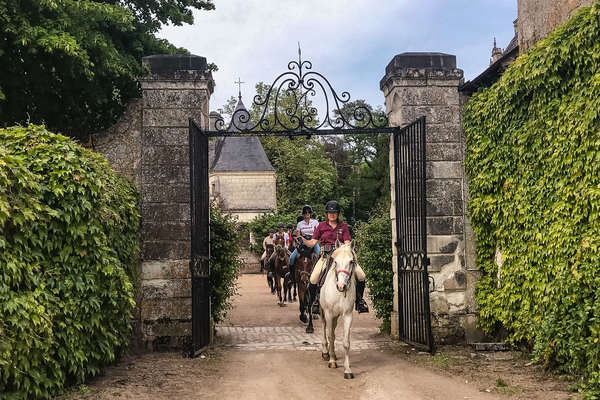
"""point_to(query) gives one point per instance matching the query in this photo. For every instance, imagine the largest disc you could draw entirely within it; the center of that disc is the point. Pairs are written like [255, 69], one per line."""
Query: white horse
[337, 300]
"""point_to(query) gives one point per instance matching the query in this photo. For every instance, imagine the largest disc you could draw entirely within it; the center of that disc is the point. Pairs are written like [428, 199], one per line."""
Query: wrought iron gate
[200, 236]
[300, 119]
[411, 231]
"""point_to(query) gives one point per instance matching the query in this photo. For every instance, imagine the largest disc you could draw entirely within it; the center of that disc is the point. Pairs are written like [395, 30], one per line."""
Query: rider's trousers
[314, 277]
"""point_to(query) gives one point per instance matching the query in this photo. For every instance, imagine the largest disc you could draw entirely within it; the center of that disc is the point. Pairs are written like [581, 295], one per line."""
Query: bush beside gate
[68, 249]
[533, 160]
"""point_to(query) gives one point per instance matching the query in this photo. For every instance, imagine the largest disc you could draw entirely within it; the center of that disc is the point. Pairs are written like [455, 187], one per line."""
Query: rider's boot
[361, 305]
[314, 294]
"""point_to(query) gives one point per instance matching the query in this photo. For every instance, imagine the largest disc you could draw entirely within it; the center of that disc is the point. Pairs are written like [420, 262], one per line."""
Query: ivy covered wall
[533, 160]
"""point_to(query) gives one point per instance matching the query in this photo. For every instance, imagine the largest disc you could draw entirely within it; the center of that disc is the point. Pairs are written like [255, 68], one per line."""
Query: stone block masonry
[149, 145]
[426, 84]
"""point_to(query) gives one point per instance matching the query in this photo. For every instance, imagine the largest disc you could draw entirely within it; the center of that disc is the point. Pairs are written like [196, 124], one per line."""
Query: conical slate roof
[244, 153]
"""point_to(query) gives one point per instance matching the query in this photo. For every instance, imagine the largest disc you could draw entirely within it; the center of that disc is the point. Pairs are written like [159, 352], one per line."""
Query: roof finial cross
[239, 83]
[299, 54]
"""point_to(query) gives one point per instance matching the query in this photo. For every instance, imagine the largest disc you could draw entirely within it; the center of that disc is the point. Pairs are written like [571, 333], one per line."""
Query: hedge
[533, 160]
[68, 255]
[225, 262]
[374, 253]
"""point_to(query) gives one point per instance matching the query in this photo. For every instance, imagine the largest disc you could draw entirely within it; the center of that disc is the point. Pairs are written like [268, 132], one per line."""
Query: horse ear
[337, 243]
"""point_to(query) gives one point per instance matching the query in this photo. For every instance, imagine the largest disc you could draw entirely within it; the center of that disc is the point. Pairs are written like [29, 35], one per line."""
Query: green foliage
[533, 159]
[374, 253]
[225, 262]
[260, 226]
[73, 64]
[68, 256]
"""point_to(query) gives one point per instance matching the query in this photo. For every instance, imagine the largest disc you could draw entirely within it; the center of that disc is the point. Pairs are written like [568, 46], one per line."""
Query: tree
[304, 173]
[362, 162]
[73, 64]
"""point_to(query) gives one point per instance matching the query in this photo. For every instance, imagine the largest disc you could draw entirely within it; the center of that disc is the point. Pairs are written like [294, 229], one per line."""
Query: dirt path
[262, 352]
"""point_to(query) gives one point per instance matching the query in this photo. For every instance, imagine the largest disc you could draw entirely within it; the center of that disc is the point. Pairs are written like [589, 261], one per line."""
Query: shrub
[533, 159]
[374, 253]
[68, 254]
[225, 262]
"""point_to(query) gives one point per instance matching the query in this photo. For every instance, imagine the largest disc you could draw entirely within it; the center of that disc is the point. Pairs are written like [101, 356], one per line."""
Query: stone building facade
[149, 145]
[537, 18]
[242, 179]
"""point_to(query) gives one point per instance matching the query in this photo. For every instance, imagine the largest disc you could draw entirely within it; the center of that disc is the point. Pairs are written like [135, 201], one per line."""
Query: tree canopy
[73, 64]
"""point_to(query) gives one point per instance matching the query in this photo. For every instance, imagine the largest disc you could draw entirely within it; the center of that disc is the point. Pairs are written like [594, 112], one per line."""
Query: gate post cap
[165, 63]
[421, 65]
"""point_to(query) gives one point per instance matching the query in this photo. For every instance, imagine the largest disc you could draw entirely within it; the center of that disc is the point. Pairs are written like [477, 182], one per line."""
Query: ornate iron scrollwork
[300, 84]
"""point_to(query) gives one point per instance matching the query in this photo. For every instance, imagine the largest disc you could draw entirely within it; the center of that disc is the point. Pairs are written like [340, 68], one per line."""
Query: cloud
[349, 41]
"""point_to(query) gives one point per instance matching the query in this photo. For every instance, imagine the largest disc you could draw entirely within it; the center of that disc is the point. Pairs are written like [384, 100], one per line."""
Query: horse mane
[344, 247]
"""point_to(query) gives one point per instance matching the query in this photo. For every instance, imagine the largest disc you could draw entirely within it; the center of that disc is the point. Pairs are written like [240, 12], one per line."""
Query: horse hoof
[332, 365]
[325, 356]
[348, 375]
[310, 329]
[315, 316]
[303, 318]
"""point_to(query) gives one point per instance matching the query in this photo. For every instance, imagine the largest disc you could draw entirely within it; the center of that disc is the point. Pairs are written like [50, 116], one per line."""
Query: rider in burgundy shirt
[328, 235]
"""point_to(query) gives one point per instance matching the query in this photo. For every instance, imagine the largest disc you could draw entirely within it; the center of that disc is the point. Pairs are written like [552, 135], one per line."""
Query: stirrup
[361, 306]
[315, 308]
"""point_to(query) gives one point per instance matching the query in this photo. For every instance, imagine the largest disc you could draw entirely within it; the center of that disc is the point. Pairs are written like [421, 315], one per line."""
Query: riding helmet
[290, 226]
[332, 206]
[271, 230]
[306, 209]
[280, 225]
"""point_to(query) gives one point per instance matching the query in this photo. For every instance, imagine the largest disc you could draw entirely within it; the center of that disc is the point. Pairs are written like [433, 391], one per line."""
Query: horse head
[280, 251]
[343, 264]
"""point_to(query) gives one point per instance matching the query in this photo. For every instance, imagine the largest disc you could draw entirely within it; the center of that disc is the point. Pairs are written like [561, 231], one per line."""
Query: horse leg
[309, 328]
[347, 318]
[324, 346]
[301, 309]
[295, 284]
[278, 288]
[331, 323]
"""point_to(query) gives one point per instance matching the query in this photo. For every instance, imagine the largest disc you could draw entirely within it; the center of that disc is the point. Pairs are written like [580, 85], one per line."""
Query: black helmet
[271, 230]
[290, 226]
[306, 209]
[299, 218]
[280, 225]
[332, 206]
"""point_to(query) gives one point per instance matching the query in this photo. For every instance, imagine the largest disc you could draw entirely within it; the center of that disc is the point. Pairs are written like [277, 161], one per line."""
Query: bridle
[343, 271]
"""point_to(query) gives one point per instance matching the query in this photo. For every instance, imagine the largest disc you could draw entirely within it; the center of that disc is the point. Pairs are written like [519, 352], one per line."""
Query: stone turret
[496, 53]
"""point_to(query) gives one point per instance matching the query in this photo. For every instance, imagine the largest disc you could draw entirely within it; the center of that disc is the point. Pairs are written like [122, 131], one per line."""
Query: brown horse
[280, 267]
[304, 264]
[268, 266]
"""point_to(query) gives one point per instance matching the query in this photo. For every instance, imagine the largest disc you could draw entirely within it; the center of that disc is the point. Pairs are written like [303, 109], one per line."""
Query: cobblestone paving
[295, 338]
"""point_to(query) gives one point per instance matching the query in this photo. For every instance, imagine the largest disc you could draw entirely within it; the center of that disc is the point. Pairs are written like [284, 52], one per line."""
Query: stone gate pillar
[426, 84]
[149, 145]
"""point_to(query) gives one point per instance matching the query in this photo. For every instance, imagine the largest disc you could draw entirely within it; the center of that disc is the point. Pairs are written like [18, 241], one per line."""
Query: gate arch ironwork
[301, 84]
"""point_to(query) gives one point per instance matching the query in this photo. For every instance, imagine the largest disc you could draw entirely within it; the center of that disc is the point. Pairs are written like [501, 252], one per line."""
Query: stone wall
[537, 18]
[150, 144]
[238, 192]
[426, 84]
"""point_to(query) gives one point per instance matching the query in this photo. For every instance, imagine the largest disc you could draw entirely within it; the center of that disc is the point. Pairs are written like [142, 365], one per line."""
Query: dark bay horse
[280, 267]
[304, 264]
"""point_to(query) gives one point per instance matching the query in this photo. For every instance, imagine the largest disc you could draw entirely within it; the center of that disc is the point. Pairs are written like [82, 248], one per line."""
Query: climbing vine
[68, 257]
[533, 160]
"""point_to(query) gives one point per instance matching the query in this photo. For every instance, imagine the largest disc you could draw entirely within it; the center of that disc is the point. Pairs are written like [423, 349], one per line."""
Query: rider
[327, 232]
[306, 226]
[289, 233]
[280, 234]
[267, 240]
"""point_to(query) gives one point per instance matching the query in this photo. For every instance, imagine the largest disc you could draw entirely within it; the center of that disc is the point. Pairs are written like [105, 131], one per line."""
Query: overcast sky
[349, 41]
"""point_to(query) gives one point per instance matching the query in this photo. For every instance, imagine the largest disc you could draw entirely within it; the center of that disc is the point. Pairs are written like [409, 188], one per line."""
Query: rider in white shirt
[306, 228]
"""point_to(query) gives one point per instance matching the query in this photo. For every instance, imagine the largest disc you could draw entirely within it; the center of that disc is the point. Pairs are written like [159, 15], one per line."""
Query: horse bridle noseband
[343, 271]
